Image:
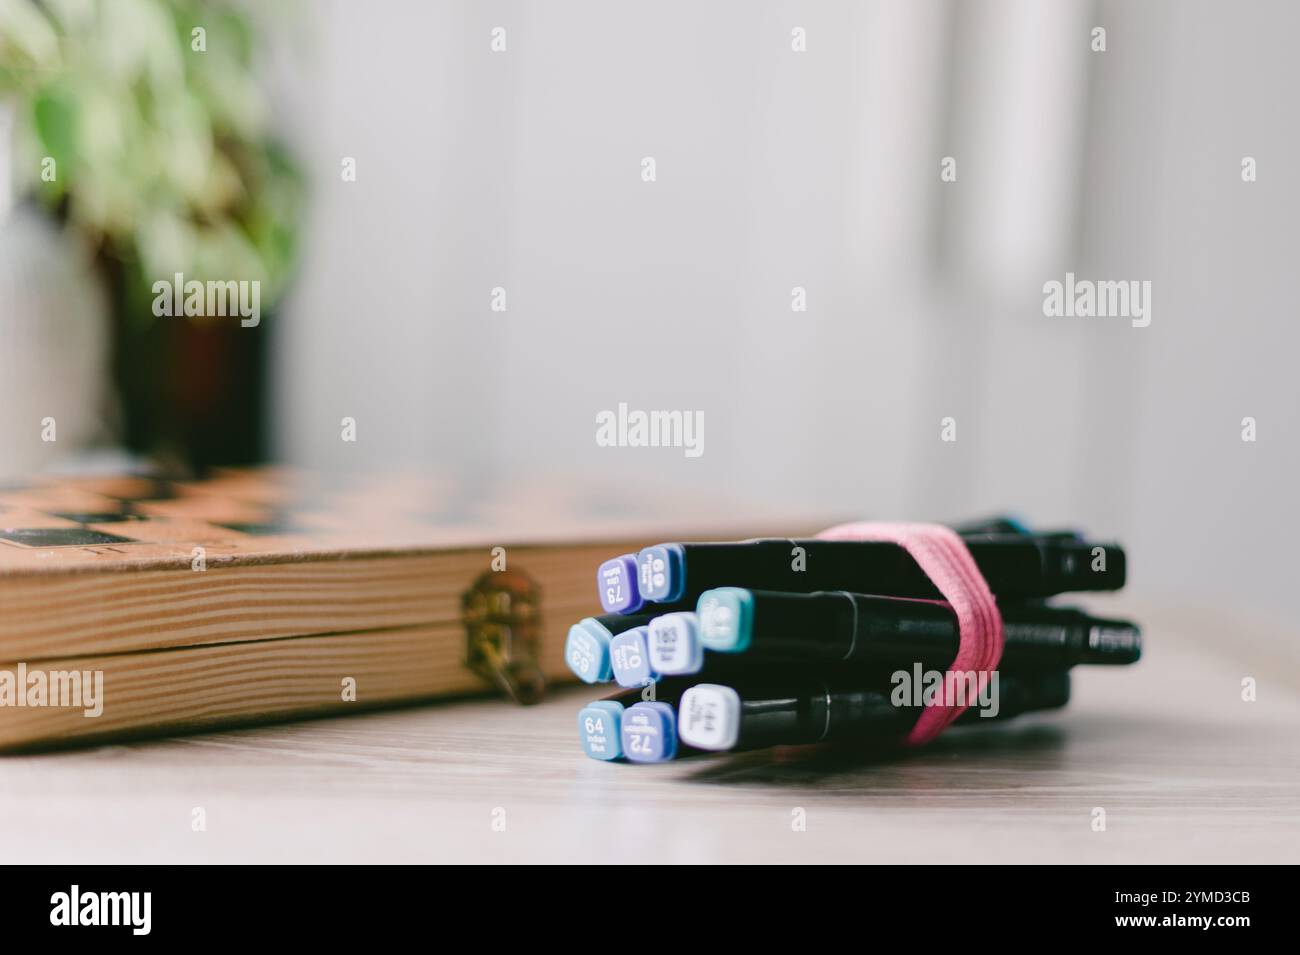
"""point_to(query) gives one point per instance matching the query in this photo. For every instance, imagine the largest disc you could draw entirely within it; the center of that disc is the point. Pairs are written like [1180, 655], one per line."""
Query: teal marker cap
[726, 619]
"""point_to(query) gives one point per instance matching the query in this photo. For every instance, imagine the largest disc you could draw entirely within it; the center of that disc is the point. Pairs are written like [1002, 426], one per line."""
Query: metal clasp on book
[503, 625]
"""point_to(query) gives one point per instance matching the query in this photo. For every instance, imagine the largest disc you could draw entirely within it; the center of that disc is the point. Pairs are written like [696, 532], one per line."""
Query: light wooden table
[1185, 770]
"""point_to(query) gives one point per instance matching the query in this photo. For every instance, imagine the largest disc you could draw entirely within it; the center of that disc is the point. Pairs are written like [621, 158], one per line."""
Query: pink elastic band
[943, 556]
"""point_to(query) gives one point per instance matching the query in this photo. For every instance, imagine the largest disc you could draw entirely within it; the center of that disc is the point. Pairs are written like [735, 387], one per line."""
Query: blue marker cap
[616, 583]
[599, 729]
[629, 658]
[649, 732]
[675, 646]
[661, 573]
[726, 617]
[587, 651]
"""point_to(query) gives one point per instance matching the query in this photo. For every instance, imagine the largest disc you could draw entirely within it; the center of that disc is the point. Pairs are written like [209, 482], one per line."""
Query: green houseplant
[141, 127]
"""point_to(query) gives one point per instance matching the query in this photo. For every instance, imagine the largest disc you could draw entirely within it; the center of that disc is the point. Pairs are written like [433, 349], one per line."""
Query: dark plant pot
[192, 391]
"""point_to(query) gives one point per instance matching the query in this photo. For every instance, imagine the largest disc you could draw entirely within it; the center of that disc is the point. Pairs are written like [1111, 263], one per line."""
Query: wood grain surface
[62, 615]
[1184, 768]
[195, 688]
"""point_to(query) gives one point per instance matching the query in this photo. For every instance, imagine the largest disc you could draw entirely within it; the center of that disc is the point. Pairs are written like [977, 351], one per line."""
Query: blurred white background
[818, 169]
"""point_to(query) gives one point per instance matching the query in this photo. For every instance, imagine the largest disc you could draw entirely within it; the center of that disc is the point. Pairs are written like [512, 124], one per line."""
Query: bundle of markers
[750, 644]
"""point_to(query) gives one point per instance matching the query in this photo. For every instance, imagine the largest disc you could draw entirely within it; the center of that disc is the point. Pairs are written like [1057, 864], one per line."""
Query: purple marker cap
[616, 584]
[649, 732]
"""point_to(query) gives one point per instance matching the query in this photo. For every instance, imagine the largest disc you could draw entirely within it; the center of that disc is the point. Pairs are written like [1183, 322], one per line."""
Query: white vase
[55, 387]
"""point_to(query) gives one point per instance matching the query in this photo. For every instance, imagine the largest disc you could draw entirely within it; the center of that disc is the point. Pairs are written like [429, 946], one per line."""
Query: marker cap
[710, 717]
[660, 571]
[674, 641]
[586, 650]
[616, 584]
[649, 732]
[629, 658]
[599, 729]
[726, 619]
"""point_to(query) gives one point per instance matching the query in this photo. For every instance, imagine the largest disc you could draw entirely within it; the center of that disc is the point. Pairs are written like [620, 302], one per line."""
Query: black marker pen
[1013, 566]
[719, 717]
[828, 627]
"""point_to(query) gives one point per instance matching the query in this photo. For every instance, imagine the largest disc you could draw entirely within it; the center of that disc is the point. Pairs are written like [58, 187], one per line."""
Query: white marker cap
[674, 644]
[708, 717]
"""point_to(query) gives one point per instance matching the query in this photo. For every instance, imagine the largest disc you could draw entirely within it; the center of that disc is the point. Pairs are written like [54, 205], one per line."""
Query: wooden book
[267, 594]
